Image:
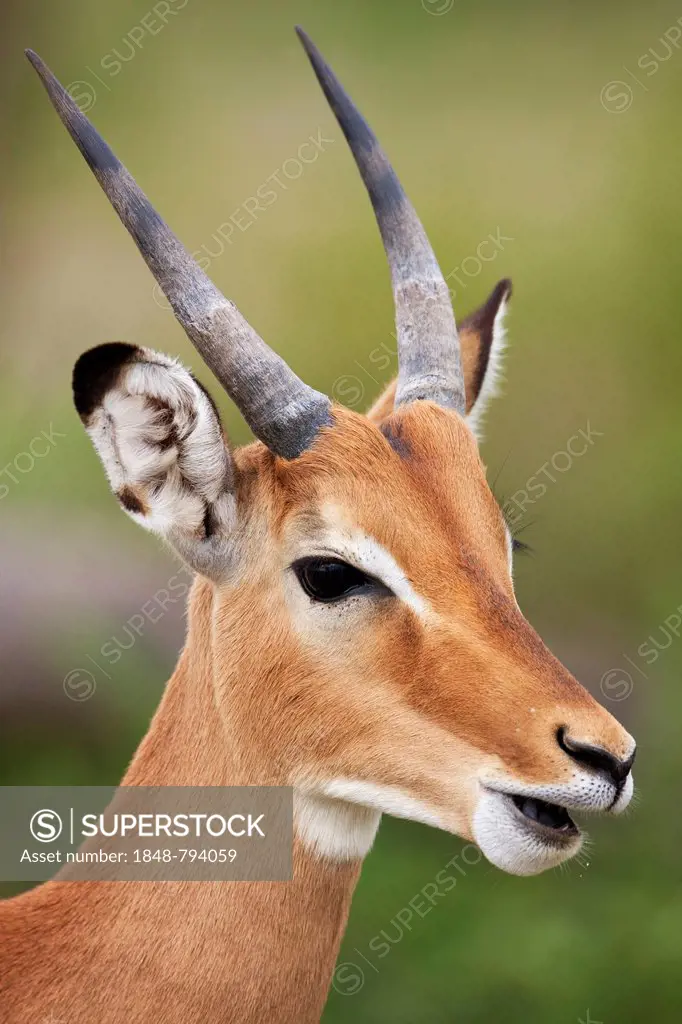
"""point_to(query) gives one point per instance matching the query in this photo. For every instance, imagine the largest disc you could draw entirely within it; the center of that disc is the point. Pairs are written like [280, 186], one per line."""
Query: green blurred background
[554, 127]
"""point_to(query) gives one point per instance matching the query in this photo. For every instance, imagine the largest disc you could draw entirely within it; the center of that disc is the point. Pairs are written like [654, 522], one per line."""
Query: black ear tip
[96, 371]
[504, 290]
[483, 319]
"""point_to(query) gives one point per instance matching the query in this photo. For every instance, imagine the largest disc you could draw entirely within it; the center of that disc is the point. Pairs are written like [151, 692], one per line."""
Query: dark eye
[328, 579]
[520, 548]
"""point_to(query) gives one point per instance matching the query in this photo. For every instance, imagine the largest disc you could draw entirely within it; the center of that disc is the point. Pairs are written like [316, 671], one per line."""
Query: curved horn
[428, 346]
[281, 410]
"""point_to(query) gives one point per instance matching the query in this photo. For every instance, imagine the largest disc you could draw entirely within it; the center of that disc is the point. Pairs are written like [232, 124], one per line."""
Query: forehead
[416, 484]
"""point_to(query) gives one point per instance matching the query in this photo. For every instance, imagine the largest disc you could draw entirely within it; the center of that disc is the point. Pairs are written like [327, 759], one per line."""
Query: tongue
[531, 809]
[551, 816]
[544, 814]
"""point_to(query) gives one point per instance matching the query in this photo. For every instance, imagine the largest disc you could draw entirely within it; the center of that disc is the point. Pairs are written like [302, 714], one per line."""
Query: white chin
[514, 844]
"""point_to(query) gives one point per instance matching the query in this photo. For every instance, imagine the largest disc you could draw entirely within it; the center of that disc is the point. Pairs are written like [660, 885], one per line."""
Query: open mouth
[524, 834]
[550, 819]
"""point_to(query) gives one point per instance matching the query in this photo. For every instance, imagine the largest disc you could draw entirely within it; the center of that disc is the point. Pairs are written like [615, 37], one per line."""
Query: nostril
[596, 758]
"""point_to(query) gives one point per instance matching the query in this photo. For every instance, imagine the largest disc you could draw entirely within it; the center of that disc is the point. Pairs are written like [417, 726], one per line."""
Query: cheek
[330, 630]
[399, 639]
[364, 638]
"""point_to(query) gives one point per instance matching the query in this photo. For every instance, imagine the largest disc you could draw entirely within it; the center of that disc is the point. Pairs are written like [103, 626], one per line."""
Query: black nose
[596, 758]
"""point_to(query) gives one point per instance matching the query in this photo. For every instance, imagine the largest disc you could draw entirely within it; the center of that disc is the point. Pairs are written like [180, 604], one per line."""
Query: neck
[246, 951]
[277, 942]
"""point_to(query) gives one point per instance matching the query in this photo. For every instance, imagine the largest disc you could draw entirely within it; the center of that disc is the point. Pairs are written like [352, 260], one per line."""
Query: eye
[330, 579]
[520, 548]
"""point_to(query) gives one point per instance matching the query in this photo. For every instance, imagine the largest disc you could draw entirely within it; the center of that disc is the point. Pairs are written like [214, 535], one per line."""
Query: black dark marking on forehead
[395, 435]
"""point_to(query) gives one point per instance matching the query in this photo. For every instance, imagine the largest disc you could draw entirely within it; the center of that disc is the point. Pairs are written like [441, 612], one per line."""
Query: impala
[353, 633]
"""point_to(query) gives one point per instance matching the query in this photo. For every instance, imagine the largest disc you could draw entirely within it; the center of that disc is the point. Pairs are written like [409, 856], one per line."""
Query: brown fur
[263, 696]
[190, 953]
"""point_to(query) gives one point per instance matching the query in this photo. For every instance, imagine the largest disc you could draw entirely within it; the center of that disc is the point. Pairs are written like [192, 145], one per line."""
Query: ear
[482, 337]
[160, 440]
[482, 341]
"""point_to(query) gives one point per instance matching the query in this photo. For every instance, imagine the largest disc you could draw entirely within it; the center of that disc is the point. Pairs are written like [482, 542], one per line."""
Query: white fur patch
[339, 819]
[387, 799]
[364, 552]
[493, 377]
[334, 829]
[162, 448]
[585, 791]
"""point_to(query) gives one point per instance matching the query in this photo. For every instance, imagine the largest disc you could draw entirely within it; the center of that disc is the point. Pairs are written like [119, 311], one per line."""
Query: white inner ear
[494, 373]
[160, 441]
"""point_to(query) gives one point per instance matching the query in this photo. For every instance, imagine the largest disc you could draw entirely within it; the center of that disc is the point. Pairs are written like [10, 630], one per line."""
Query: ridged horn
[282, 411]
[429, 358]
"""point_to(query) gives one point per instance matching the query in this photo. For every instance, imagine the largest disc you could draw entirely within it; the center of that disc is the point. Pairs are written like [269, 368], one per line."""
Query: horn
[428, 347]
[282, 411]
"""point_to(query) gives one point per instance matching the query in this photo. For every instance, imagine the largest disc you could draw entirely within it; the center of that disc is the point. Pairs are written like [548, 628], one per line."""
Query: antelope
[353, 633]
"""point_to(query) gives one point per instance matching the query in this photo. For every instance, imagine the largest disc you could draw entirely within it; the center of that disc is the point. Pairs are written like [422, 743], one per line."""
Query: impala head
[367, 643]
